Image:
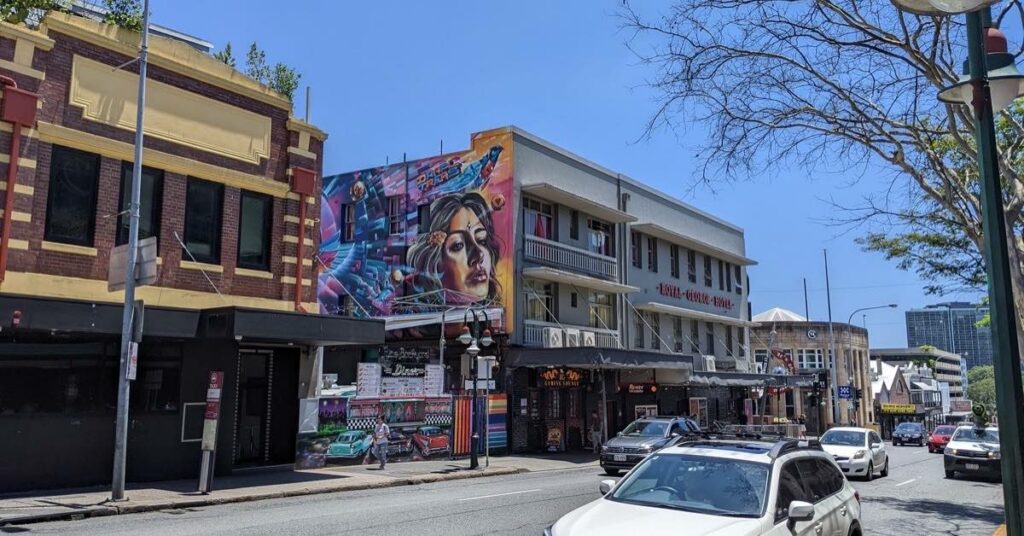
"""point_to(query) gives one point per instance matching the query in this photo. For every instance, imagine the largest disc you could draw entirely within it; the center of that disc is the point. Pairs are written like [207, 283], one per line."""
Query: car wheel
[885, 468]
[611, 472]
[920, 443]
[895, 443]
[950, 474]
[871, 473]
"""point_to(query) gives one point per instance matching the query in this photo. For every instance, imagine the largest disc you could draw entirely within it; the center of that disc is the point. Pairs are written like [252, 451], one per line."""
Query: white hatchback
[857, 451]
[719, 488]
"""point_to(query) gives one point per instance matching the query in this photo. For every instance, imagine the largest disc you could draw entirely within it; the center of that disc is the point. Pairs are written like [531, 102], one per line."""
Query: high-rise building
[953, 327]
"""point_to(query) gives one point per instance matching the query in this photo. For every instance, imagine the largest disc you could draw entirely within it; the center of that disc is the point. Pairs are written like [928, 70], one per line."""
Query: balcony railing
[533, 334]
[570, 258]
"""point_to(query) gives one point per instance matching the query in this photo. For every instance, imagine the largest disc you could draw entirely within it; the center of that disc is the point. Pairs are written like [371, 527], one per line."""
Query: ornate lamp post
[470, 333]
[1006, 85]
[849, 355]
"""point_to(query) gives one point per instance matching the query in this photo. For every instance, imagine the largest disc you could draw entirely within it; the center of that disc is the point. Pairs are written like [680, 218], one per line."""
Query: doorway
[266, 414]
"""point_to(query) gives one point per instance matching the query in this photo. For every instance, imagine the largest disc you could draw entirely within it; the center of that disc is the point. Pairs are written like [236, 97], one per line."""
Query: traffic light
[858, 394]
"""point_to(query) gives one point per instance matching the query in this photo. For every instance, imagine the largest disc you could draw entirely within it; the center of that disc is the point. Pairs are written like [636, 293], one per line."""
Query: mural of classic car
[399, 443]
[431, 440]
[350, 444]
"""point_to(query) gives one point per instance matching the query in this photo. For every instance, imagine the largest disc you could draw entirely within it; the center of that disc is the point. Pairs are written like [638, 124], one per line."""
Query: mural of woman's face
[466, 260]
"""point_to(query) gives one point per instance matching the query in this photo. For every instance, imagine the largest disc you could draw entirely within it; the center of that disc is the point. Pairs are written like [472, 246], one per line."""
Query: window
[254, 231]
[677, 334]
[540, 301]
[572, 405]
[394, 215]
[694, 336]
[600, 241]
[64, 379]
[654, 321]
[204, 204]
[761, 357]
[601, 310]
[71, 201]
[423, 218]
[634, 249]
[691, 265]
[574, 224]
[638, 331]
[728, 340]
[809, 358]
[721, 275]
[819, 478]
[554, 406]
[573, 297]
[710, 348]
[538, 218]
[158, 386]
[348, 217]
[728, 277]
[150, 200]
[739, 279]
[673, 260]
[652, 254]
[707, 271]
[790, 489]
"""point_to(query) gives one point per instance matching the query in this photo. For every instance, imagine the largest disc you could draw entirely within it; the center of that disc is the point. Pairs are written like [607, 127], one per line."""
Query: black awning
[749, 379]
[54, 315]
[597, 358]
[257, 325]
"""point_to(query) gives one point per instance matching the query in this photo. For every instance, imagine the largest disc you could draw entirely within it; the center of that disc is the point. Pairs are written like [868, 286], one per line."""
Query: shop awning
[674, 310]
[546, 273]
[260, 325]
[746, 379]
[597, 358]
[570, 199]
[66, 316]
[658, 231]
[451, 316]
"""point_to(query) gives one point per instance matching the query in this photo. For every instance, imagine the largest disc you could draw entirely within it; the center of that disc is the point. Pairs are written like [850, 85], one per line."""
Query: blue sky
[398, 77]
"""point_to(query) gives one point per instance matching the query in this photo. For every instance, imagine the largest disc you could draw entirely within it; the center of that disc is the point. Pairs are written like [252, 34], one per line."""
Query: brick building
[230, 175]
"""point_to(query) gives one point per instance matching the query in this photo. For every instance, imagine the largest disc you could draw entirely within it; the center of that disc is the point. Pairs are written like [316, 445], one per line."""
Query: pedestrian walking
[380, 441]
[595, 432]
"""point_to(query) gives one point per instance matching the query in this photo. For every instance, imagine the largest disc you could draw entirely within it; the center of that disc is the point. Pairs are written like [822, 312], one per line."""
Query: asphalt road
[914, 499]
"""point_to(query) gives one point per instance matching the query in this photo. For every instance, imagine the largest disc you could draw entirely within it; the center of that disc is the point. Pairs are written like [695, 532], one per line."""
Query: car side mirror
[606, 486]
[876, 445]
[801, 511]
[676, 434]
[619, 434]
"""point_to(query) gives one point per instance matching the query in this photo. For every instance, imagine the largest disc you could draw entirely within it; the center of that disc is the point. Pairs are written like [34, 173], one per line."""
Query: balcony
[533, 334]
[570, 258]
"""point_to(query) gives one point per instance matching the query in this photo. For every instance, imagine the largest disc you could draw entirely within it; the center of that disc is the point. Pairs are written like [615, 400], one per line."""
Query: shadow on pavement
[947, 510]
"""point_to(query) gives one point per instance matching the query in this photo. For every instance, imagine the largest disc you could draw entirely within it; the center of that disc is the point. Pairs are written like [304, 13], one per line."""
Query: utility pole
[123, 383]
[831, 360]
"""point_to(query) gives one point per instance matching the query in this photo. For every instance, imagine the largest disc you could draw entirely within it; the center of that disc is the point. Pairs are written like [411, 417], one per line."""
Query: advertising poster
[422, 235]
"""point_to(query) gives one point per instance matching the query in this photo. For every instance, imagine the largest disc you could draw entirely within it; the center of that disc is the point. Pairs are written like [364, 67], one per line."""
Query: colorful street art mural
[418, 236]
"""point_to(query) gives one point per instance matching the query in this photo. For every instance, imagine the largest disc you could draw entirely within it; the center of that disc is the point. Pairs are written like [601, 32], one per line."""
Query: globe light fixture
[465, 337]
[942, 7]
[1005, 81]
[486, 340]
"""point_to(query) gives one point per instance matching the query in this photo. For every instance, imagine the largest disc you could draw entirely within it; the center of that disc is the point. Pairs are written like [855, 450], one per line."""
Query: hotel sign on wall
[695, 296]
[561, 377]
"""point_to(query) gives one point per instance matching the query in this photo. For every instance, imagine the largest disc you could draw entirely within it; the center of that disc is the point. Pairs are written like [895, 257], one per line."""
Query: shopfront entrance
[266, 415]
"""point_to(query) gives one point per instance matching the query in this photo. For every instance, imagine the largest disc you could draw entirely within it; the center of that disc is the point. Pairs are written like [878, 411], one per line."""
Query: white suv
[721, 488]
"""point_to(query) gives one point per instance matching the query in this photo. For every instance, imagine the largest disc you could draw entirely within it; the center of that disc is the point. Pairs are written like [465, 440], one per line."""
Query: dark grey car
[642, 437]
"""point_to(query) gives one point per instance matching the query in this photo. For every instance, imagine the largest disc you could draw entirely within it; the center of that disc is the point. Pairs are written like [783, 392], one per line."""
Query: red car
[940, 437]
[430, 440]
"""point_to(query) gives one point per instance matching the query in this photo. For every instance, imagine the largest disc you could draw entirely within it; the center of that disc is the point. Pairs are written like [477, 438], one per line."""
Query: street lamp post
[469, 337]
[976, 92]
[849, 352]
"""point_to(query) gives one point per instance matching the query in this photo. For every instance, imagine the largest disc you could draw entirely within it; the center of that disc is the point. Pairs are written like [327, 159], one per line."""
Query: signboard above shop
[638, 388]
[556, 378]
[899, 409]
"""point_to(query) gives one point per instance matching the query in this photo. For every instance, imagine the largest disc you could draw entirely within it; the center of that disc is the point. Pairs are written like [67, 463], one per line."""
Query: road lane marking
[905, 483]
[498, 495]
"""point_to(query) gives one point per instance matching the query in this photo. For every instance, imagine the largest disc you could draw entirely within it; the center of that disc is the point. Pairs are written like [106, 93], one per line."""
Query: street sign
[145, 265]
[845, 392]
[210, 416]
[480, 384]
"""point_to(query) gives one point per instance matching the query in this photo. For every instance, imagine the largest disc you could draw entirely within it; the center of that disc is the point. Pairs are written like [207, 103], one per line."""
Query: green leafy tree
[124, 13]
[284, 80]
[279, 77]
[226, 56]
[29, 11]
[981, 386]
[256, 64]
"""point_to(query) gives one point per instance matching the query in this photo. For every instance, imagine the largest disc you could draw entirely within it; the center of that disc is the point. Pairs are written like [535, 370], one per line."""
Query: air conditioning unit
[572, 337]
[589, 339]
[709, 363]
[552, 338]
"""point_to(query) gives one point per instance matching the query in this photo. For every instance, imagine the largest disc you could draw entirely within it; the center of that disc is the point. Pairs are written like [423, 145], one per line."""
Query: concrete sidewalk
[53, 505]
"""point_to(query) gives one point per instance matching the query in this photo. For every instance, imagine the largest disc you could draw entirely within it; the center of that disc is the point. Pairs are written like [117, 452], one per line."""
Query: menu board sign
[368, 380]
[433, 380]
[401, 386]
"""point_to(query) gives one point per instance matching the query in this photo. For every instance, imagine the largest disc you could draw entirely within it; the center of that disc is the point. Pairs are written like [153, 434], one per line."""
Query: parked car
[939, 437]
[973, 451]
[857, 451]
[431, 440]
[350, 444]
[399, 443]
[719, 487]
[909, 432]
[642, 437]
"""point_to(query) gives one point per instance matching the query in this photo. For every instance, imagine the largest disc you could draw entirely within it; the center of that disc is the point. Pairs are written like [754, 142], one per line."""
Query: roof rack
[772, 449]
[785, 446]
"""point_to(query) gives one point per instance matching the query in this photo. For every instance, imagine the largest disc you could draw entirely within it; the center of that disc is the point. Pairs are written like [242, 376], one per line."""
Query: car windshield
[430, 431]
[848, 438]
[944, 430]
[645, 428]
[981, 435]
[697, 484]
[908, 427]
[348, 437]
